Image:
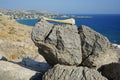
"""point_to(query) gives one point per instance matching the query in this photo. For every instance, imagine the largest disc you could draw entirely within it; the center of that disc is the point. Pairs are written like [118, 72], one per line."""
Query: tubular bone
[67, 21]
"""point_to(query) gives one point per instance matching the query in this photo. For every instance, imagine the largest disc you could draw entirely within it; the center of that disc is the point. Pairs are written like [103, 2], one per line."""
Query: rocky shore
[69, 52]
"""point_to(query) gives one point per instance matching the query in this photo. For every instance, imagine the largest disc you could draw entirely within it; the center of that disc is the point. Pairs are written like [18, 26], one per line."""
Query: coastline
[107, 25]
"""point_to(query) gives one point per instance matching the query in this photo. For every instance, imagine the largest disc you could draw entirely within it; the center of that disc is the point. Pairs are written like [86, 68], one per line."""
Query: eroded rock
[66, 45]
[95, 48]
[61, 72]
[59, 44]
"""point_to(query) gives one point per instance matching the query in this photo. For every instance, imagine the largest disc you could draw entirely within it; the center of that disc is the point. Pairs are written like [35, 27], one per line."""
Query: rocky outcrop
[10, 71]
[61, 72]
[96, 48]
[73, 51]
[58, 43]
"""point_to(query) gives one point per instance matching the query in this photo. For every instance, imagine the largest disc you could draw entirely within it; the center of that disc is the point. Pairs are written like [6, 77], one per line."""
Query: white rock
[10, 71]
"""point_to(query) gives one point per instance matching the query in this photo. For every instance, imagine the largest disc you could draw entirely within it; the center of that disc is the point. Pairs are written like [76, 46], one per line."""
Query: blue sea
[107, 25]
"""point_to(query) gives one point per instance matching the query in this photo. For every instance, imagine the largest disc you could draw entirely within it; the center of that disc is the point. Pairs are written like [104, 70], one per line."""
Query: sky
[65, 6]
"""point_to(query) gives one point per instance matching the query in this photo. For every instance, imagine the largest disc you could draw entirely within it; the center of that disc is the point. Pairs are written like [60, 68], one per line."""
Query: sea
[106, 24]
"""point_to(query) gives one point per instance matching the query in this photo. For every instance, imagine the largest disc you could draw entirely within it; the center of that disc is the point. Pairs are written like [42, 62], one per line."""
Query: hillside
[27, 14]
[15, 40]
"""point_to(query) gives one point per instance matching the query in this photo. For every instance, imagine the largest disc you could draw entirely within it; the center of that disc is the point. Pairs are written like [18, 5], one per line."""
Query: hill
[27, 14]
[15, 40]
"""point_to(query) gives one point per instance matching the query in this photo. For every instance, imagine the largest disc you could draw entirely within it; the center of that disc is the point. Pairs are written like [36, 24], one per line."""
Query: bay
[108, 24]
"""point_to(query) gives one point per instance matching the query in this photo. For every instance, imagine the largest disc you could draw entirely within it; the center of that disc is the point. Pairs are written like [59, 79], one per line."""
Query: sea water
[108, 25]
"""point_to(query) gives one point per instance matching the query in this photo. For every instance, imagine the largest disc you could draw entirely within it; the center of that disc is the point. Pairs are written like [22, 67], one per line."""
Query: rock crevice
[57, 45]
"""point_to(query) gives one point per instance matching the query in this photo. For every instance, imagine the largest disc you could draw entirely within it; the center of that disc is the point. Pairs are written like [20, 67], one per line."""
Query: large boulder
[61, 72]
[10, 71]
[95, 48]
[59, 44]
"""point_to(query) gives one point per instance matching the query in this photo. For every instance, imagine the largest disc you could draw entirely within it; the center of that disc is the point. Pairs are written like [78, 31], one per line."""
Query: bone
[66, 21]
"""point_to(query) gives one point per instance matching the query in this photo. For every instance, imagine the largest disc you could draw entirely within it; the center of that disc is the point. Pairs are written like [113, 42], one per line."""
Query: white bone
[67, 21]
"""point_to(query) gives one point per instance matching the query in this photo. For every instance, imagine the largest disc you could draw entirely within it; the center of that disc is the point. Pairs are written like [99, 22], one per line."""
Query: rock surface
[34, 65]
[58, 43]
[66, 45]
[10, 71]
[61, 72]
[92, 41]
[26, 66]
[95, 48]
[111, 71]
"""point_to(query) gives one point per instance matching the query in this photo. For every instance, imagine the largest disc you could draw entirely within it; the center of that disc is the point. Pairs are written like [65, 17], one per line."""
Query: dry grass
[15, 40]
[10, 29]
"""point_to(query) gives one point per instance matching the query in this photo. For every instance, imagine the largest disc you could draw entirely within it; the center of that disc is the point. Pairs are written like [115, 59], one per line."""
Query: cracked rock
[59, 44]
[95, 48]
[61, 72]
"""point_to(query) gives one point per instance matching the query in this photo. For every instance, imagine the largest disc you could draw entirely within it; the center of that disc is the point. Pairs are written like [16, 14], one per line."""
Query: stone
[111, 71]
[75, 53]
[62, 72]
[58, 43]
[10, 71]
[95, 48]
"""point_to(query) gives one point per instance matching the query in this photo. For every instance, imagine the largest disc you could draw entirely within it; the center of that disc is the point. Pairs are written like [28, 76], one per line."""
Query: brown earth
[15, 40]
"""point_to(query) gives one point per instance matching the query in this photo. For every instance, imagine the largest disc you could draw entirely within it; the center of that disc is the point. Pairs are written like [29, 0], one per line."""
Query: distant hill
[27, 14]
